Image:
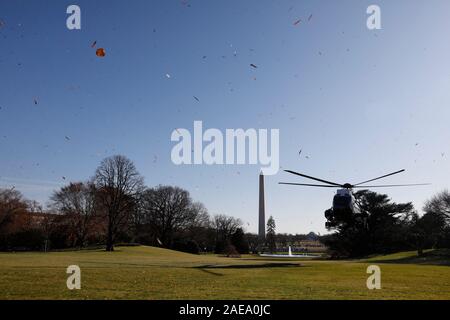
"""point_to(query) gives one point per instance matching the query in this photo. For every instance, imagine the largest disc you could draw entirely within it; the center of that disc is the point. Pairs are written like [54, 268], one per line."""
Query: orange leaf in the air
[100, 52]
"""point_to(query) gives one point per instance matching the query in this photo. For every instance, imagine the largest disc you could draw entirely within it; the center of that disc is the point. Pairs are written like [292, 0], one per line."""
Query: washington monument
[262, 213]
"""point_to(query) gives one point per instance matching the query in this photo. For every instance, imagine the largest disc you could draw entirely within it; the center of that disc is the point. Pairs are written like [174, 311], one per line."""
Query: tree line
[115, 206]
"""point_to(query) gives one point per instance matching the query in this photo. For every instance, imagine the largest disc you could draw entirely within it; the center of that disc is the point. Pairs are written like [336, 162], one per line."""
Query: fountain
[262, 230]
[288, 255]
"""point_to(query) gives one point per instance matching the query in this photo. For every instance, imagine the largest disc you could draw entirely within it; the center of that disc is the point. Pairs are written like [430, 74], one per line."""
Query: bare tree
[77, 201]
[118, 185]
[169, 209]
[224, 226]
[439, 204]
[201, 216]
[11, 202]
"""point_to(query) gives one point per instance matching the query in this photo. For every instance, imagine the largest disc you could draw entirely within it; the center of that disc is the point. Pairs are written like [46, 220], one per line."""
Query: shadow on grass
[248, 266]
[435, 257]
[206, 268]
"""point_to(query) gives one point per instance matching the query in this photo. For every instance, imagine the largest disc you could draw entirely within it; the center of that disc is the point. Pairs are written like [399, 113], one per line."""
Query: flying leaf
[100, 52]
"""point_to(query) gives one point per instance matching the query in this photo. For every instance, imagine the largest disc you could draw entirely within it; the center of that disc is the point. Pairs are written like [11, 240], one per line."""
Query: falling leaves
[185, 3]
[100, 52]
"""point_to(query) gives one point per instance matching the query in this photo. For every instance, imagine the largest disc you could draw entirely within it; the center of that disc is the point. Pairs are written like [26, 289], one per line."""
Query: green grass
[429, 257]
[155, 273]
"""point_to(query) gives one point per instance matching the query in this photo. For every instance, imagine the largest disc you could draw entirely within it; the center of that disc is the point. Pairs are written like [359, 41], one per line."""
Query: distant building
[312, 236]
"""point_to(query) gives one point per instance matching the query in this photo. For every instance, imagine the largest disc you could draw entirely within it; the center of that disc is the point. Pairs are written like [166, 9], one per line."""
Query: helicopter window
[342, 200]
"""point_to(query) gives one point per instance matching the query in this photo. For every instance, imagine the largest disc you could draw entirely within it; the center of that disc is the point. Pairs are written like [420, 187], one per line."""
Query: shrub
[231, 252]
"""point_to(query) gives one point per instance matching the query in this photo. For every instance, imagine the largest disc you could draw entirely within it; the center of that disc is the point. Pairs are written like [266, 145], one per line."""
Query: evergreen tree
[270, 235]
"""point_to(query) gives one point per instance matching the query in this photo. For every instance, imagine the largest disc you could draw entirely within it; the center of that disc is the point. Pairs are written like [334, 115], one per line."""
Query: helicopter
[344, 200]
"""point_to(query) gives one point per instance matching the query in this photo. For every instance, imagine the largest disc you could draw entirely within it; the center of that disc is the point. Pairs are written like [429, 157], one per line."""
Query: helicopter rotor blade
[307, 185]
[386, 175]
[312, 178]
[394, 185]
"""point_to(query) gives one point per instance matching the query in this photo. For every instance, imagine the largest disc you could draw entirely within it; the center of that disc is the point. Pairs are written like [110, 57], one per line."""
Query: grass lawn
[155, 273]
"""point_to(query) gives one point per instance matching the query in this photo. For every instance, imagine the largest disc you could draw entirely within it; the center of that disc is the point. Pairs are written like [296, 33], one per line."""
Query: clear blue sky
[359, 103]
